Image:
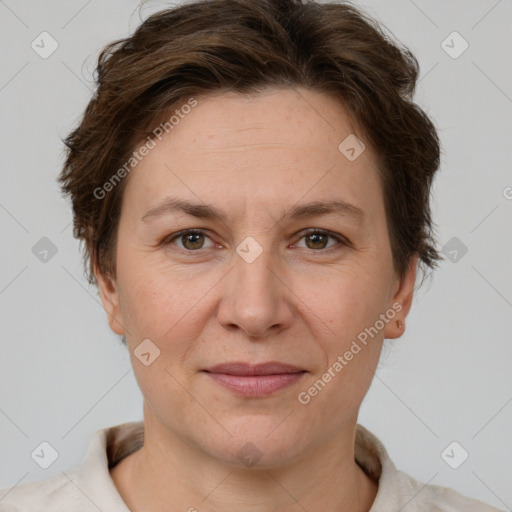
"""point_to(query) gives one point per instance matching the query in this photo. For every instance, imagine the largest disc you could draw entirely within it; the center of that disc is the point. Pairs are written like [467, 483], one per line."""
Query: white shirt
[89, 487]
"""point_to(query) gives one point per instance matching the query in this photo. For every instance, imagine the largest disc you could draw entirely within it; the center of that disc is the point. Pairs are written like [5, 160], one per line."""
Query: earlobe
[402, 301]
[110, 300]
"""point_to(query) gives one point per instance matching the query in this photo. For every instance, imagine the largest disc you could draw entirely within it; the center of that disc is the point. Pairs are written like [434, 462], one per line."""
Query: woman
[251, 183]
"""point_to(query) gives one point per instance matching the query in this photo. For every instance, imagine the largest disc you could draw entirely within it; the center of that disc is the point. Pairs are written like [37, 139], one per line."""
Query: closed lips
[247, 369]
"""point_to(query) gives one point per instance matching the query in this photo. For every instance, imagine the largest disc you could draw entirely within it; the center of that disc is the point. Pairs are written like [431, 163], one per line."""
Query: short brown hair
[246, 46]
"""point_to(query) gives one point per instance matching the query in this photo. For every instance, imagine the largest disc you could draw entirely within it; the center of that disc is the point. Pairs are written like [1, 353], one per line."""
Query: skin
[302, 301]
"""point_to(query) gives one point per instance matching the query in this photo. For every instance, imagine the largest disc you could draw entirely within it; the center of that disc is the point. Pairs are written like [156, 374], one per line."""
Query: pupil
[316, 237]
[193, 239]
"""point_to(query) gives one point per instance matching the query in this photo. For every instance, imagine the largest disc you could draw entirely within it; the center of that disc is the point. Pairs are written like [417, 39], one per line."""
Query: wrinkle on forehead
[252, 147]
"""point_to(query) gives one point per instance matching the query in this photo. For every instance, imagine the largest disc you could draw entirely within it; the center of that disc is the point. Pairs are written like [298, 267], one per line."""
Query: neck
[169, 471]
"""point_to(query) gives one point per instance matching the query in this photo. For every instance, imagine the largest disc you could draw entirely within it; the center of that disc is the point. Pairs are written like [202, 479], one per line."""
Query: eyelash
[341, 240]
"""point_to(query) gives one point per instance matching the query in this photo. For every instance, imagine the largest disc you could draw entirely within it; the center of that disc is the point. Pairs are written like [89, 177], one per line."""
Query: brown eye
[190, 240]
[193, 241]
[318, 240]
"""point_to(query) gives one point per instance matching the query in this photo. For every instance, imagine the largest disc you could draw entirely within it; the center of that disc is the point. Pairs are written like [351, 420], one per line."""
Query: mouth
[255, 381]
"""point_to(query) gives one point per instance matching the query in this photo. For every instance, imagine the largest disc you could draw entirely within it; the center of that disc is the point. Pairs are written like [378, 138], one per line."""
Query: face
[288, 261]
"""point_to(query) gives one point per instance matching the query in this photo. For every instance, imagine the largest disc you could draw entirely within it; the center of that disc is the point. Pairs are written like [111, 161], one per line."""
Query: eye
[317, 239]
[191, 239]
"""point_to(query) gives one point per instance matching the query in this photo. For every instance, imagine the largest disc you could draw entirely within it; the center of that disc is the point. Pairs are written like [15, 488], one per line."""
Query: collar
[110, 445]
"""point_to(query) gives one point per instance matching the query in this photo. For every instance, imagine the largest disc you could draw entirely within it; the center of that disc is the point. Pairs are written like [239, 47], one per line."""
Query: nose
[256, 298]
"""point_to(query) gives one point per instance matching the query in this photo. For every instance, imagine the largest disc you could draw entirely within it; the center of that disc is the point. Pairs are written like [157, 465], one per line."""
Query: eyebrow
[204, 211]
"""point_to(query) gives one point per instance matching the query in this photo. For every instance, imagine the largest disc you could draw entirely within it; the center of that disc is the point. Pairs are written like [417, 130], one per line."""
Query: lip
[248, 369]
[255, 380]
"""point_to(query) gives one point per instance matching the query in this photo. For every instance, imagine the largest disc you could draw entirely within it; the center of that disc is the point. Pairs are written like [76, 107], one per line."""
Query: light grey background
[64, 375]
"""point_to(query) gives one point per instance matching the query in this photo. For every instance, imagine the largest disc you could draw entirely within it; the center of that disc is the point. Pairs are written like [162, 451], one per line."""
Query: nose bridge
[256, 300]
[254, 273]
[254, 264]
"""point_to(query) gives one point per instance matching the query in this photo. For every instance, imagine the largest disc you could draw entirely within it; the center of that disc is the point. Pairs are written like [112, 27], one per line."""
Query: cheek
[347, 301]
[350, 344]
[163, 303]
[351, 347]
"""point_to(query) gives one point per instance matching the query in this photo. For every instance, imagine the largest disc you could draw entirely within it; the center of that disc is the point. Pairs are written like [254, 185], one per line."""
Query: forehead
[270, 147]
[303, 120]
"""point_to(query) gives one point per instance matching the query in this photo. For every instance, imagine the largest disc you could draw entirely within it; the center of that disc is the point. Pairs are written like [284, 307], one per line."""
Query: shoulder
[434, 498]
[87, 487]
[399, 491]
[55, 492]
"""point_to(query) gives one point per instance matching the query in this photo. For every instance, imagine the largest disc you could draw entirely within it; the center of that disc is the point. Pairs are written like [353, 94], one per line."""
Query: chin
[259, 441]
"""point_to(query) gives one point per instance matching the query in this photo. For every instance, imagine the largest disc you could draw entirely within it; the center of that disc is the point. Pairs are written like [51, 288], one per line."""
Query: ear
[402, 301]
[110, 299]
